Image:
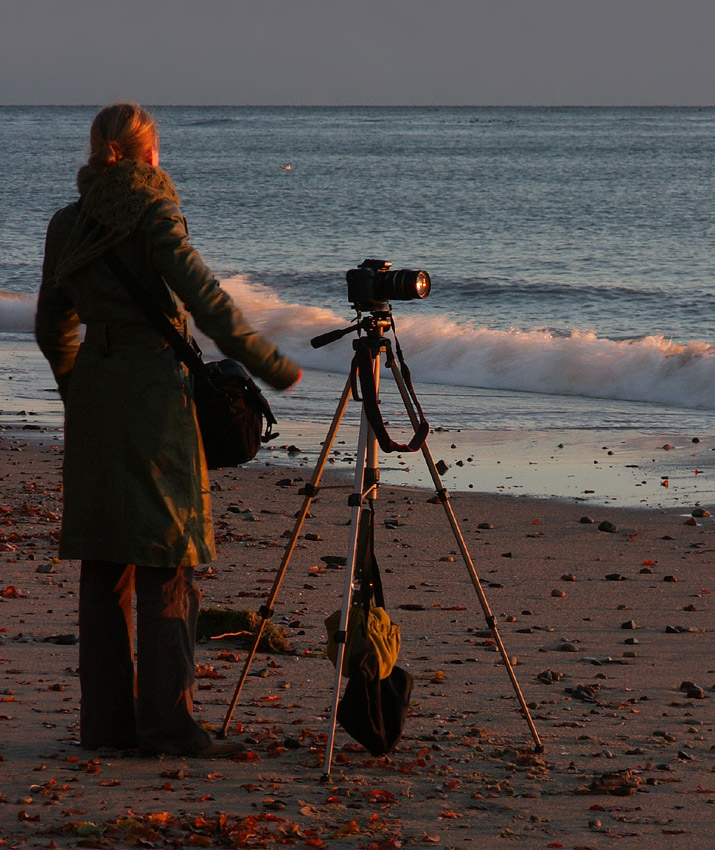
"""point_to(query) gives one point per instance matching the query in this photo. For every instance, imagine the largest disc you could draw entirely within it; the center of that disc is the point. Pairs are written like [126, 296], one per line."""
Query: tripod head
[374, 325]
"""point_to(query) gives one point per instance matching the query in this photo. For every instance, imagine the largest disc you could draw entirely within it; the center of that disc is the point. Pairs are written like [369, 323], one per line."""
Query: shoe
[217, 750]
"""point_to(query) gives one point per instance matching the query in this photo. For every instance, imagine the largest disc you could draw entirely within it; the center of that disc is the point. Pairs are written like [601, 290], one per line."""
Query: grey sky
[472, 52]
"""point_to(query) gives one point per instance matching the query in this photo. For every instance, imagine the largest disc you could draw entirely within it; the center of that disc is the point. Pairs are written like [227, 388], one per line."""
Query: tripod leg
[443, 496]
[310, 490]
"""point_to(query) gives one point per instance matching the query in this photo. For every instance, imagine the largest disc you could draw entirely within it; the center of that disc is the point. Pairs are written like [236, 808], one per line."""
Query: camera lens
[405, 284]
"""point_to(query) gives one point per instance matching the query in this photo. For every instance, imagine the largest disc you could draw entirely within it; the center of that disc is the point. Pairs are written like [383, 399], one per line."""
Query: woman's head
[123, 131]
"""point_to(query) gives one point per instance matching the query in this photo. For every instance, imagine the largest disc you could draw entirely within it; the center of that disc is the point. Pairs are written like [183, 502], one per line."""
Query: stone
[608, 527]
[695, 693]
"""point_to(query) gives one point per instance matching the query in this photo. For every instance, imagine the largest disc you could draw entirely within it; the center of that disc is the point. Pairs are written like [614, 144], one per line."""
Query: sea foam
[440, 350]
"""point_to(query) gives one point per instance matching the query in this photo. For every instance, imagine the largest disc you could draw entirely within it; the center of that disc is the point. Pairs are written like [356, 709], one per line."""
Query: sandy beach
[610, 628]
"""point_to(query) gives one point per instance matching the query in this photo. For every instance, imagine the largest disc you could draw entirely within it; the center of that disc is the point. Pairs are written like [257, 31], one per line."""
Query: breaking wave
[440, 350]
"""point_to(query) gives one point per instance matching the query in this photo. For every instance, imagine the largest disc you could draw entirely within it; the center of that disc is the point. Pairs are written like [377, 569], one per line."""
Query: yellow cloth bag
[380, 632]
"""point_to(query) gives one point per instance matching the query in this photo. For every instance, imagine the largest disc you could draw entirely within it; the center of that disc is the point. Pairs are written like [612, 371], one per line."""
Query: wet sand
[611, 632]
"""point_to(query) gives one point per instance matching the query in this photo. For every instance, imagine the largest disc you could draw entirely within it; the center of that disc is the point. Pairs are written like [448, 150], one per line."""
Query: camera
[372, 283]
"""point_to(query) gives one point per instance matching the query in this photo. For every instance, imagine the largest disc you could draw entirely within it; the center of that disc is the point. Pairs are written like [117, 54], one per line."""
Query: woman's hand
[296, 382]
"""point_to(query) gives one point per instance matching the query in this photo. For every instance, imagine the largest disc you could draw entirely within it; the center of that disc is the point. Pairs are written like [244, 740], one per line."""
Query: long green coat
[136, 486]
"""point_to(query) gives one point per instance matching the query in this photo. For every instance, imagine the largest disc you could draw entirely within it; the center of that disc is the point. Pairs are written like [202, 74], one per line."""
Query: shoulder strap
[184, 350]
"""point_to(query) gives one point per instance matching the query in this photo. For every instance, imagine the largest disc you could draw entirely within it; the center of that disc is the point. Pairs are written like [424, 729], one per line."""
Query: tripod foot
[221, 735]
[325, 778]
[540, 749]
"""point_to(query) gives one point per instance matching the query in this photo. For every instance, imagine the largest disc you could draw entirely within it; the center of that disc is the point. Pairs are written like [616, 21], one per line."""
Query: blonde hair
[121, 131]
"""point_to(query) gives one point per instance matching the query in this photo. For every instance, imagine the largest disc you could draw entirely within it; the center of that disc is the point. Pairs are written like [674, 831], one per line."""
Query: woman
[137, 510]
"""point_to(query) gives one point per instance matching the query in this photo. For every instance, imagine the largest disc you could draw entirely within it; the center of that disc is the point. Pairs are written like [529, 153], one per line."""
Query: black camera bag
[230, 407]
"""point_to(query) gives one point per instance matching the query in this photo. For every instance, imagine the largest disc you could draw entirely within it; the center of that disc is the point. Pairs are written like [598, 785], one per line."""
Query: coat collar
[112, 203]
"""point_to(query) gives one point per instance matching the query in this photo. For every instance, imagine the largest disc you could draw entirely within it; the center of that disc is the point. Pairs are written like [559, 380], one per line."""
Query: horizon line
[382, 105]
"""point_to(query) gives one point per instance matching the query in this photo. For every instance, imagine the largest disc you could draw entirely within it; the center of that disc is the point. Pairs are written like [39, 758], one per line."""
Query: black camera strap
[363, 367]
[369, 572]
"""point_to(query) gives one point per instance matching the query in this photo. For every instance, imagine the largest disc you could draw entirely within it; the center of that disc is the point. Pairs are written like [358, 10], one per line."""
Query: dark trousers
[152, 706]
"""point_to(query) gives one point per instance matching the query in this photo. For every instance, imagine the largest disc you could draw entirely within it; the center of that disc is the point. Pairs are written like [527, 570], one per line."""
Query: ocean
[571, 255]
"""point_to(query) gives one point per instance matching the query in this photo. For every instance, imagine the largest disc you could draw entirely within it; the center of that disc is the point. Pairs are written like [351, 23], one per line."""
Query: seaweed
[241, 625]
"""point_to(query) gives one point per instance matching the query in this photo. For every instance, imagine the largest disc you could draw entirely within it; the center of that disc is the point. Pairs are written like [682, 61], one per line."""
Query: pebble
[485, 525]
[550, 676]
[661, 733]
[629, 624]
[567, 646]
[586, 520]
[334, 560]
[691, 521]
[568, 577]
[608, 527]
[615, 577]
[696, 693]
[700, 512]
[631, 641]
[558, 593]
[669, 578]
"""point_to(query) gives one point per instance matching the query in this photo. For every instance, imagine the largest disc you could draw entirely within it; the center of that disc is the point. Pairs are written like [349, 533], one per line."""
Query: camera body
[372, 284]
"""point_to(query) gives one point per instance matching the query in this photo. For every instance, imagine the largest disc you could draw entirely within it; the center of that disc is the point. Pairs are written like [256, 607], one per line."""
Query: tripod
[366, 366]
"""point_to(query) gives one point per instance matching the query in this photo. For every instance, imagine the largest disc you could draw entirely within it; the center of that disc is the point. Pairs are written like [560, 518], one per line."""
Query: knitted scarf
[113, 202]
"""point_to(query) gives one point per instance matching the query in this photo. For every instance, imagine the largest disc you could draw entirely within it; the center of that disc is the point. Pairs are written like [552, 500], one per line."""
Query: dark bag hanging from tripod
[230, 407]
[373, 710]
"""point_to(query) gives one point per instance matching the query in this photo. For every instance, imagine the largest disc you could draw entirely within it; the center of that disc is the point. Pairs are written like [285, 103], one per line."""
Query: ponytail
[121, 131]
